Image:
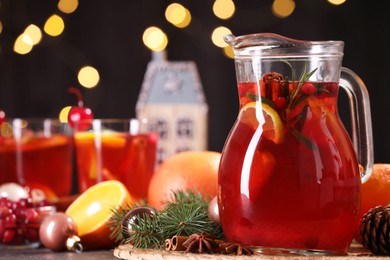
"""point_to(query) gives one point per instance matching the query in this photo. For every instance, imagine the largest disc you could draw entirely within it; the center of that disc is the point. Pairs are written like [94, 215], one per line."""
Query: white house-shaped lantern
[173, 102]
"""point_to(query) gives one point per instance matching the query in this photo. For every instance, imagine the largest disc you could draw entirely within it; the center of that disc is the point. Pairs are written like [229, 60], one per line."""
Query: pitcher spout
[230, 39]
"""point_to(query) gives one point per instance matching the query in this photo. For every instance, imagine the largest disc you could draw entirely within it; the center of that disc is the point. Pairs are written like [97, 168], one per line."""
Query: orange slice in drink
[107, 138]
[271, 123]
[92, 212]
[88, 141]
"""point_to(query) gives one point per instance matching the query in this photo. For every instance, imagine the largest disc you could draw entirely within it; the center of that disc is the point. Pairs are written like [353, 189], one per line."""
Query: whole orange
[376, 190]
[184, 171]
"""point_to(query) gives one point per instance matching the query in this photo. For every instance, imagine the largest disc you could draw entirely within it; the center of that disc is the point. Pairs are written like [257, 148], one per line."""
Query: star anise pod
[201, 243]
[235, 248]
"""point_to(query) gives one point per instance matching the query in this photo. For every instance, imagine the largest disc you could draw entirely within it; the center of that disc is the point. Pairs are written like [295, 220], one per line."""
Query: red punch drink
[290, 181]
[38, 154]
[107, 154]
[289, 175]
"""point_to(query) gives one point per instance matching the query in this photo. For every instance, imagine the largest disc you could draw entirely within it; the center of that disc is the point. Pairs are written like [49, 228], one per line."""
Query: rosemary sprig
[298, 135]
[263, 99]
[292, 69]
[252, 96]
[294, 101]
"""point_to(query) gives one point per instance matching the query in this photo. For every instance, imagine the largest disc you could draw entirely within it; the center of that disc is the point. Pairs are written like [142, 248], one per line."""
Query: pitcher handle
[359, 102]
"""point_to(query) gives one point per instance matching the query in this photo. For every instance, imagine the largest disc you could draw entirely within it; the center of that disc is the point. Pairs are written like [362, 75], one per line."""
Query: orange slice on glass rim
[271, 123]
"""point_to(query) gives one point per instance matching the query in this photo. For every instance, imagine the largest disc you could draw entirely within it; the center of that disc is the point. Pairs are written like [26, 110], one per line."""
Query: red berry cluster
[20, 221]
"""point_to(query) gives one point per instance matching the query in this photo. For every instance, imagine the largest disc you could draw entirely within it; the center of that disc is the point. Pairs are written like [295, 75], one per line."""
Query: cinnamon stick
[177, 243]
[168, 244]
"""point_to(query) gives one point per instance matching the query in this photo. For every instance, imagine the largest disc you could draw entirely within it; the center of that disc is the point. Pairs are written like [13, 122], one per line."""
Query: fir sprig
[185, 220]
[187, 214]
[189, 197]
[115, 223]
[145, 232]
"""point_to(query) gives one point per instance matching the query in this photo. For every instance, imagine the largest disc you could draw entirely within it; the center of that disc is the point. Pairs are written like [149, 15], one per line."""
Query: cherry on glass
[79, 116]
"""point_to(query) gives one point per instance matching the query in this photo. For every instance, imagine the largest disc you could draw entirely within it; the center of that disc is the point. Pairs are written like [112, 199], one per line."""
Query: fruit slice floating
[272, 126]
[93, 209]
[107, 138]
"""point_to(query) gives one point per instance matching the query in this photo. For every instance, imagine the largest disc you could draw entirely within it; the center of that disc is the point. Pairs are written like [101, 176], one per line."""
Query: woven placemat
[128, 252]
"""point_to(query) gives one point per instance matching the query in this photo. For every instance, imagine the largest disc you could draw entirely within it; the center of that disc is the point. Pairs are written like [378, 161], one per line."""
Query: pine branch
[195, 220]
[185, 220]
[145, 234]
[187, 197]
[187, 214]
[115, 223]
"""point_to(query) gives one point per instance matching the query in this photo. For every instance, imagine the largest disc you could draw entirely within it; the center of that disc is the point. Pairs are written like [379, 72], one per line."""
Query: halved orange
[92, 212]
[271, 123]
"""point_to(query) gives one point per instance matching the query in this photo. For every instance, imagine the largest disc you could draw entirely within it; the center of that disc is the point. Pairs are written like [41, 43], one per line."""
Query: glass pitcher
[289, 177]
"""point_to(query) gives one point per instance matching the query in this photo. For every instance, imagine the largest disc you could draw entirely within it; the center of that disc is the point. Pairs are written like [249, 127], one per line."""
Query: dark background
[108, 36]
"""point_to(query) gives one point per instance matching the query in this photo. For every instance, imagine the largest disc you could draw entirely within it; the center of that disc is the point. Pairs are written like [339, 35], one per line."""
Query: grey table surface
[43, 253]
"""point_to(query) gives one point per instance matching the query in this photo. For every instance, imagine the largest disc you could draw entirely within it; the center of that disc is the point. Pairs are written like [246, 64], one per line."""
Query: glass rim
[34, 119]
[110, 120]
[131, 125]
[132, 120]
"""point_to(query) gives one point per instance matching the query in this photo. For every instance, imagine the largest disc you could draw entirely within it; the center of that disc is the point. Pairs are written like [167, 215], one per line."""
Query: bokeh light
[224, 9]
[34, 32]
[218, 34]
[23, 44]
[336, 2]
[1, 27]
[228, 51]
[186, 21]
[88, 77]
[155, 39]
[283, 8]
[54, 25]
[63, 116]
[67, 6]
[178, 15]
